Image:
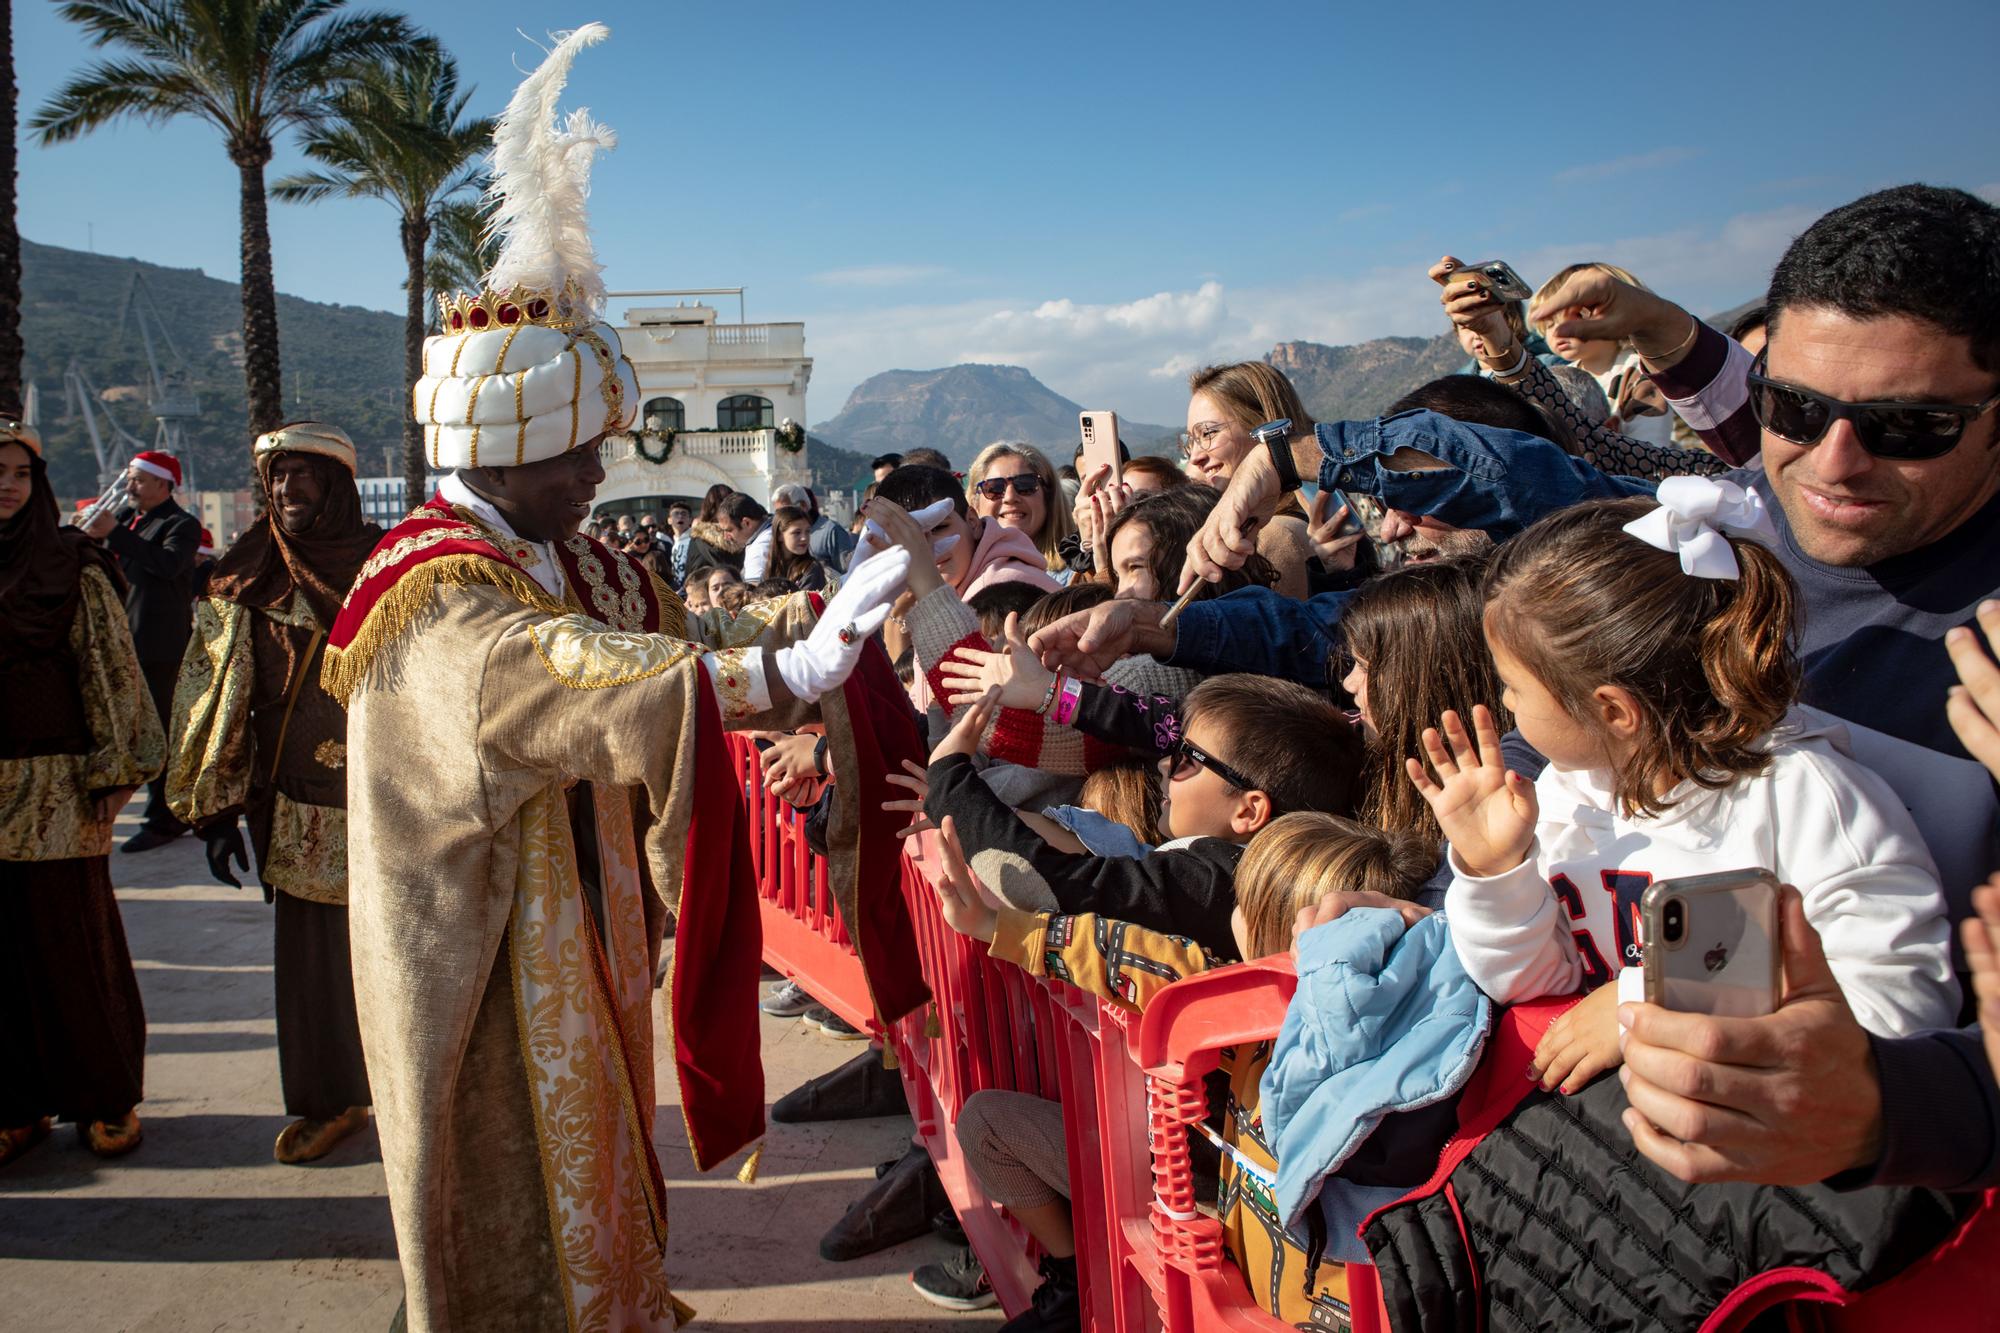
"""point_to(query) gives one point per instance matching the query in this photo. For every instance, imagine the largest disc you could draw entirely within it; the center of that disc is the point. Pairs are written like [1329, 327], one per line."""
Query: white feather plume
[541, 179]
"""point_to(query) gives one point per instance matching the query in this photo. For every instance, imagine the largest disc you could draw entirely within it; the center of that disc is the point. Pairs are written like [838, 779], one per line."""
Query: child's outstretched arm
[1113, 960]
[1510, 932]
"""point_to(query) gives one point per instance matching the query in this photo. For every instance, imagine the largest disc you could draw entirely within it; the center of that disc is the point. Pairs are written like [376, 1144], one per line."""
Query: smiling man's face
[1845, 506]
[298, 492]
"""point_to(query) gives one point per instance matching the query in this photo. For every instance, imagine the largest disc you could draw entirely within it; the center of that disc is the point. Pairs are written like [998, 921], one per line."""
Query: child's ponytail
[1746, 653]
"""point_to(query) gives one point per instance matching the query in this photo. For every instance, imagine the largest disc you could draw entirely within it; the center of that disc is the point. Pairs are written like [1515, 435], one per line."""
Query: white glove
[827, 657]
[874, 541]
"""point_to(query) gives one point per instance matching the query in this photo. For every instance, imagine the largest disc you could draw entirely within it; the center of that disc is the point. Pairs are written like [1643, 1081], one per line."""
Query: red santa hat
[161, 464]
[207, 543]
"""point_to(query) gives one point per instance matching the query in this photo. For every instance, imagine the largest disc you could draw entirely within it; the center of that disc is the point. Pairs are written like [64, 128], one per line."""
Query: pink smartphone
[1100, 444]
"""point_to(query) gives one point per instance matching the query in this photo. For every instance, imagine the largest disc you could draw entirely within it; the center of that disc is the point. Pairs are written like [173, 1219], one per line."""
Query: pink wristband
[1067, 700]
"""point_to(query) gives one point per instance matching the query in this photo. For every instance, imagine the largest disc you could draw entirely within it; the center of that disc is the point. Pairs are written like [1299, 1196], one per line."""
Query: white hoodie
[1568, 916]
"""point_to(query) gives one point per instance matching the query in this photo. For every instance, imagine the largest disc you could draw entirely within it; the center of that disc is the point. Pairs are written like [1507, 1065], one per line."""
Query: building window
[664, 414]
[744, 411]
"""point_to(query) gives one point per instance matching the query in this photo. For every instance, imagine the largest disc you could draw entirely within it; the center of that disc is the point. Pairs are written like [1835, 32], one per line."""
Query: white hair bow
[1694, 513]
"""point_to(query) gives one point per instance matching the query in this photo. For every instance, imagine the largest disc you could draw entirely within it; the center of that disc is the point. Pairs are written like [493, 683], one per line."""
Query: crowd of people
[1634, 599]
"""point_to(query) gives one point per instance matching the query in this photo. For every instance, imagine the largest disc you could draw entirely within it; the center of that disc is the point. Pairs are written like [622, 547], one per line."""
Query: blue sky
[1110, 194]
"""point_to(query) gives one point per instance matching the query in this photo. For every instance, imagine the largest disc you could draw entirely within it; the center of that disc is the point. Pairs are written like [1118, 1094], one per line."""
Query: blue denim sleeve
[1498, 481]
[1257, 630]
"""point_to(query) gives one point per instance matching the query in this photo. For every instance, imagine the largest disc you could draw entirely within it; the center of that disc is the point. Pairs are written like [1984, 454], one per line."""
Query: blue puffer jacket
[1384, 1021]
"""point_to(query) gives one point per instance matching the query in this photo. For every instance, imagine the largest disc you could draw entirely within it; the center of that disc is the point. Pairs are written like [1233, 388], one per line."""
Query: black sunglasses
[995, 487]
[1186, 754]
[1909, 432]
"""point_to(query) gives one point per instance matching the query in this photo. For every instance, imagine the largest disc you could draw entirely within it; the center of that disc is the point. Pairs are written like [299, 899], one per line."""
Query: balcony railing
[715, 342]
[698, 444]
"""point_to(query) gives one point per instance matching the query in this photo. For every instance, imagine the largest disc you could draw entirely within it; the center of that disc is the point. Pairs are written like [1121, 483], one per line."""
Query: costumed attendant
[78, 734]
[255, 734]
[156, 542]
[523, 705]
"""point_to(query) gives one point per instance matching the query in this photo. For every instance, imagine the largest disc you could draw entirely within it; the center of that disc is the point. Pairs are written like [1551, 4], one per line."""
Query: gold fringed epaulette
[396, 606]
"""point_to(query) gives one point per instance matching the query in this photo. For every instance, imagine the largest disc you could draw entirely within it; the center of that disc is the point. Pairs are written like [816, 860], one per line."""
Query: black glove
[226, 841]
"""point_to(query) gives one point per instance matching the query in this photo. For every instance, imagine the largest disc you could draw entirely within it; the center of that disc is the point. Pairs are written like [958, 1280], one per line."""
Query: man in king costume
[536, 777]
[254, 734]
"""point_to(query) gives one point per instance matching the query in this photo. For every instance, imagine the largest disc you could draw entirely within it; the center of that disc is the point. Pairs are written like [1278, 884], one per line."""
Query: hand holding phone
[1711, 944]
[1100, 444]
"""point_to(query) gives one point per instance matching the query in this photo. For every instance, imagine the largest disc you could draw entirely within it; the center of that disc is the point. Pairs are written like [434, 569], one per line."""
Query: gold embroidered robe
[234, 704]
[513, 1090]
[46, 812]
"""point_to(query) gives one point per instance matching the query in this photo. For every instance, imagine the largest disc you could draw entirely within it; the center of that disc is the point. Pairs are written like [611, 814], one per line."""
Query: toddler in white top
[1648, 656]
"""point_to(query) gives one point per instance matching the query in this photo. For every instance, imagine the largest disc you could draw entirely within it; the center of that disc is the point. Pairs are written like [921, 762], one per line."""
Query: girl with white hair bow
[1645, 649]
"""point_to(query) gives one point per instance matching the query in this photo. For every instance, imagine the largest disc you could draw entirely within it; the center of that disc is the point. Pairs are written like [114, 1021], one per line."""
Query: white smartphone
[1711, 943]
[1100, 444]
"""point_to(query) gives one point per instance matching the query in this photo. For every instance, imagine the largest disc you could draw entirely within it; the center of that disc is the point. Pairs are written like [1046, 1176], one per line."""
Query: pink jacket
[1006, 555]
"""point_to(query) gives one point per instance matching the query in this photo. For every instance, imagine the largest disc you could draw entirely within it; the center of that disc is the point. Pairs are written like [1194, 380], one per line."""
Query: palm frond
[109, 90]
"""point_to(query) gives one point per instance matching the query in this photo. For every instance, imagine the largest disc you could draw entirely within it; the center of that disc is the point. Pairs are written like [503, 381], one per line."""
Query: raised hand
[1087, 643]
[1228, 537]
[965, 911]
[963, 738]
[1015, 671]
[1980, 933]
[1470, 306]
[1593, 304]
[1973, 705]
[1335, 545]
[1486, 811]
[1337, 904]
[915, 779]
[1083, 513]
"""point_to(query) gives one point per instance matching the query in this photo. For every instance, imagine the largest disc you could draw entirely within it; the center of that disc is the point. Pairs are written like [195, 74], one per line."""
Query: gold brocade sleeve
[127, 746]
[210, 753]
[1114, 960]
[743, 643]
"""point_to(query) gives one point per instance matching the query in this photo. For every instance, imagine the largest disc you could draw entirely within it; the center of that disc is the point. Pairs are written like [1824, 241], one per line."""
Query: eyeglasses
[995, 487]
[1201, 438]
[1186, 755]
[1908, 432]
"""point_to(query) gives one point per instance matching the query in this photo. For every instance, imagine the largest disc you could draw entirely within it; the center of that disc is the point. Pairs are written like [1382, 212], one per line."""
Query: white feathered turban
[527, 369]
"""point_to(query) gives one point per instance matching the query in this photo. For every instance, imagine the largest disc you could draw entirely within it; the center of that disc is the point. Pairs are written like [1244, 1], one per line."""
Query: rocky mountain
[962, 409]
[1360, 380]
[340, 362]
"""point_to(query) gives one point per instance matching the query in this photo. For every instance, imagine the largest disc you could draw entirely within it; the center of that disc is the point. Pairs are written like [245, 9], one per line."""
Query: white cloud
[1990, 193]
[881, 275]
[1621, 166]
[1134, 355]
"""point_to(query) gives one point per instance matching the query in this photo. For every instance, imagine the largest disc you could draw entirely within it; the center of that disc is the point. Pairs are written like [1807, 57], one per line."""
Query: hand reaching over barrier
[828, 655]
[1015, 671]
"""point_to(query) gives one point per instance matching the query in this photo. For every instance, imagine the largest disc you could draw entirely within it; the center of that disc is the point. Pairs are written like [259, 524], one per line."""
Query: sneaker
[957, 1283]
[832, 1024]
[1056, 1307]
[945, 1226]
[788, 1001]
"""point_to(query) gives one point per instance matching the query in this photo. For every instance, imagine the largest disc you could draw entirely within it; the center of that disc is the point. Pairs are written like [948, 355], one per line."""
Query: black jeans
[160, 679]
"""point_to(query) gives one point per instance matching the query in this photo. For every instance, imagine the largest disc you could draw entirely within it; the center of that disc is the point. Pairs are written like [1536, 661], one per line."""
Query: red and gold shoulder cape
[439, 544]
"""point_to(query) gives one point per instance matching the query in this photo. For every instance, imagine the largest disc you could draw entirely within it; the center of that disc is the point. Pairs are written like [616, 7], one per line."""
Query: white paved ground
[200, 1229]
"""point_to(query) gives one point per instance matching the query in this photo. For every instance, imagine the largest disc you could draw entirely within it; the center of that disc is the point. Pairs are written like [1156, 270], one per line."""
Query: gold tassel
[747, 1173]
[683, 1312]
[343, 668]
[889, 1060]
[932, 1027]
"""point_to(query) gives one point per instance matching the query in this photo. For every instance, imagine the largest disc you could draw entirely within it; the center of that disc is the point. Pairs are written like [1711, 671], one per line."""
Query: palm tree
[462, 251]
[11, 402]
[398, 134]
[252, 69]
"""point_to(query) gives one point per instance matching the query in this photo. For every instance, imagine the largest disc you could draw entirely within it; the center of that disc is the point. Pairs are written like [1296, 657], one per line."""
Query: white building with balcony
[713, 399]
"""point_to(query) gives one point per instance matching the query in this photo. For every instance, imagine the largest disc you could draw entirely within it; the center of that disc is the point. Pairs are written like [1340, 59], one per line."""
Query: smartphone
[1710, 943]
[1499, 278]
[1100, 444]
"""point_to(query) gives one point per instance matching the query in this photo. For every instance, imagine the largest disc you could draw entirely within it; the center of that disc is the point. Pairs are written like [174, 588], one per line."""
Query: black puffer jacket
[1554, 1221]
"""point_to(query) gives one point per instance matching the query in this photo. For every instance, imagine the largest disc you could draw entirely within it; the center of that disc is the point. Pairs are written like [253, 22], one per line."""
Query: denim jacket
[1498, 481]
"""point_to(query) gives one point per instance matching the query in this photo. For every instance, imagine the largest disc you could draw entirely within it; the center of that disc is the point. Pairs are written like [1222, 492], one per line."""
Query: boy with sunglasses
[1249, 749]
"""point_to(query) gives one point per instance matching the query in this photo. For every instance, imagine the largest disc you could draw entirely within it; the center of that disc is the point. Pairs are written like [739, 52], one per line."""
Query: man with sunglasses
[1868, 424]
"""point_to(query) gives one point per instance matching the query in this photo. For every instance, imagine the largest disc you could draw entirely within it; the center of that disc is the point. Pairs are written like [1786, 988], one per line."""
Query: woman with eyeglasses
[1015, 486]
[1225, 404]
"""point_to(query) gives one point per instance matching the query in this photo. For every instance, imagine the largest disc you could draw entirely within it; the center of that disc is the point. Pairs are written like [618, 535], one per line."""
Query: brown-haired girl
[791, 554]
[1645, 650]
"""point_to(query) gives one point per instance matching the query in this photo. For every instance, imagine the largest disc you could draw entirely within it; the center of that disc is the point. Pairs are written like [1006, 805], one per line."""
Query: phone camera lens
[1673, 921]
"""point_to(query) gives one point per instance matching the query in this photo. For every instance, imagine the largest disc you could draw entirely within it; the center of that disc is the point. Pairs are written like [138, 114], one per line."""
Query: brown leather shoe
[309, 1140]
[15, 1141]
[114, 1138]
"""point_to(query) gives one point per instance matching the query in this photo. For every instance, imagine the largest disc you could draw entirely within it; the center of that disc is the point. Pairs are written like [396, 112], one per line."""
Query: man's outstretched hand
[1087, 643]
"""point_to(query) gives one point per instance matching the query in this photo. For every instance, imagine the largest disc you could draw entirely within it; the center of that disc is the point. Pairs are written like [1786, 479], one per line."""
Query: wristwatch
[1276, 436]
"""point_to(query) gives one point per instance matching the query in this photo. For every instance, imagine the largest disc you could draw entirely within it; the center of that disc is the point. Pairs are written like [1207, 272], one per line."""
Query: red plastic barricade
[1144, 1260]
